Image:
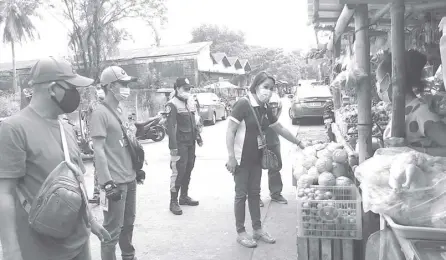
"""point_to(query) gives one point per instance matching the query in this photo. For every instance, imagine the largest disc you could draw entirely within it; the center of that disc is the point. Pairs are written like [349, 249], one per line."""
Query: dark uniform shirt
[181, 125]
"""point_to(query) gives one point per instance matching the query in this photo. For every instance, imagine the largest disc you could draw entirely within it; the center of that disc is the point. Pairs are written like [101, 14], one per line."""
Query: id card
[103, 201]
[261, 141]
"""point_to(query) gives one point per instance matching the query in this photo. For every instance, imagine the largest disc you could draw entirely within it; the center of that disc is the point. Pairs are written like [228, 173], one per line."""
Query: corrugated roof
[232, 60]
[218, 56]
[21, 64]
[243, 62]
[191, 48]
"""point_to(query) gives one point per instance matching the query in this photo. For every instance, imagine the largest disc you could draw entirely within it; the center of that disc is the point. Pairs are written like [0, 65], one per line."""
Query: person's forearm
[101, 165]
[8, 233]
[285, 133]
[230, 140]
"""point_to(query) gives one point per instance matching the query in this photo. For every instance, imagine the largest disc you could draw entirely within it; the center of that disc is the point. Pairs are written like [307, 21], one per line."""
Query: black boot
[186, 200]
[174, 207]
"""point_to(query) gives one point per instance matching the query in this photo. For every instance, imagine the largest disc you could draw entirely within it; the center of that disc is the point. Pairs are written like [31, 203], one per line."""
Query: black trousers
[274, 177]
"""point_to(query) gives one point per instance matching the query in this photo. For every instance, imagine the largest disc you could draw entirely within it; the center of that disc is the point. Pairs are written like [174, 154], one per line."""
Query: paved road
[207, 231]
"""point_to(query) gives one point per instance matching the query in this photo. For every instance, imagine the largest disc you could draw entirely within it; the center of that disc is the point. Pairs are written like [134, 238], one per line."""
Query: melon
[298, 171]
[344, 181]
[324, 153]
[313, 173]
[319, 147]
[324, 165]
[333, 146]
[305, 181]
[308, 161]
[326, 179]
[310, 151]
[339, 169]
[340, 156]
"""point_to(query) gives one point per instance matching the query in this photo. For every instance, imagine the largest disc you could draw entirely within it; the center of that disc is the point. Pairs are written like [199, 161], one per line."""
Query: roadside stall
[410, 219]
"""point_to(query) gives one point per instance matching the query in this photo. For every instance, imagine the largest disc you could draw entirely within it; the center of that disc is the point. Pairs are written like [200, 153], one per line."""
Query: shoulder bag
[60, 201]
[269, 158]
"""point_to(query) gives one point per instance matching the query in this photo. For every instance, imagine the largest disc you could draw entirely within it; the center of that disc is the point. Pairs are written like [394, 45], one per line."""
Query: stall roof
[325, 13]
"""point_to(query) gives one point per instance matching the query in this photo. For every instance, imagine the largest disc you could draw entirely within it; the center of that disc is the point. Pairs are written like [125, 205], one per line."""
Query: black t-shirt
[245, 145]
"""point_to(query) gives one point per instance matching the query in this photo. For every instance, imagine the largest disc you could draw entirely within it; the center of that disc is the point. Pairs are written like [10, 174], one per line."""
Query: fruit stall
[328, 202]
[385, 211]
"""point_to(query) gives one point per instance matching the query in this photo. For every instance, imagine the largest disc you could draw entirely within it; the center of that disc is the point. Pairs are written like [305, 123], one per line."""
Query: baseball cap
[115, 73]
[50, 69]
[182, 82]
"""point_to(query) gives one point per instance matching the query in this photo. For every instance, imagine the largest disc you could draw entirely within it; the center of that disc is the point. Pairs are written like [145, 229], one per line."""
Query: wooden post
[362, 54]
[337, 101]
[341, 25]
[398, 68]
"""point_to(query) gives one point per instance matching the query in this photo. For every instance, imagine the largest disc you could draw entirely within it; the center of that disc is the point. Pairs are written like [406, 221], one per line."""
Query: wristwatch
[109, 186]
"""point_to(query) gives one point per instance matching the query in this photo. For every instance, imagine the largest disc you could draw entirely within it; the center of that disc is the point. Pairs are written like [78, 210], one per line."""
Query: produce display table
[414, 249]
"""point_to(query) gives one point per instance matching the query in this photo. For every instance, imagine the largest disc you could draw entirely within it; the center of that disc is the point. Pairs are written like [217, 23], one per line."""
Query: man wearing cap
[31, 148]
[183, 133]
[113, 163]
[272, 139]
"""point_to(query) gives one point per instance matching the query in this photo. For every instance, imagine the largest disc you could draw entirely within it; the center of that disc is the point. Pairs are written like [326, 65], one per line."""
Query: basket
[333, 212]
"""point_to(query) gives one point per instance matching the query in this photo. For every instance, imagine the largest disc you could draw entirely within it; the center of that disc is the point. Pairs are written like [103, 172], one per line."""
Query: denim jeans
[119, 221]
[247, 180]
[274, 177]
[85, 254]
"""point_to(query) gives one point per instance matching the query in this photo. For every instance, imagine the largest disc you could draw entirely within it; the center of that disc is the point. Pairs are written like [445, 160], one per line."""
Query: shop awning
[337, 15]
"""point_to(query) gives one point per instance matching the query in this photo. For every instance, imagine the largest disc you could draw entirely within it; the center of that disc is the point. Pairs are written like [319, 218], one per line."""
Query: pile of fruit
[328, 200]
[324, 164]
[381, 114]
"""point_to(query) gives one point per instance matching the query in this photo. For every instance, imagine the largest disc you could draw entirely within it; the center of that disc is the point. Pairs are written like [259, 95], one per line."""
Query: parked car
[309, 102]
[211, 107]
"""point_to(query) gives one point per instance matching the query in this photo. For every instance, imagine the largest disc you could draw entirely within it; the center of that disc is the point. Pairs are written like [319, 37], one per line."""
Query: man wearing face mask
[113, 162]
[31, 148]
[183, 133]
[275, 183]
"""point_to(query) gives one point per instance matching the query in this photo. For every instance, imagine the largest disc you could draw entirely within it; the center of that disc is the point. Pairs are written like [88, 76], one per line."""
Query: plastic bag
[436, 103]
[419, 206]
[442, 27]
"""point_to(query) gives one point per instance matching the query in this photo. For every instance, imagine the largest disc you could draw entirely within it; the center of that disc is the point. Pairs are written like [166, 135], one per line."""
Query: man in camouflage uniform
[183, 134]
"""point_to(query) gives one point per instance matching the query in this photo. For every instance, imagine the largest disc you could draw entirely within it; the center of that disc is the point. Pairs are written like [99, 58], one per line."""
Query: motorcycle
[151, 129]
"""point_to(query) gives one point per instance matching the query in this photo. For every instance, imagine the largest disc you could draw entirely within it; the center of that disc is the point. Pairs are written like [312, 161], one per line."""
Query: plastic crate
[335, 213]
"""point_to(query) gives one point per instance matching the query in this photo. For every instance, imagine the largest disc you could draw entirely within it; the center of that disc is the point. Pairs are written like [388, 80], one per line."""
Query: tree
[288, 66]
[18, 26]
[94, 36]
[224, 40]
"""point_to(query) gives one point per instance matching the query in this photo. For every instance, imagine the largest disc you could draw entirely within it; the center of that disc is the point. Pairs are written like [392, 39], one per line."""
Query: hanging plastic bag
[436, 103]
[442, 27]
[419, 188]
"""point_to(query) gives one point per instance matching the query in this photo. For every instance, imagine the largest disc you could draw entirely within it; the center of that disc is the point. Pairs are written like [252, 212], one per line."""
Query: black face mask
[70, 101]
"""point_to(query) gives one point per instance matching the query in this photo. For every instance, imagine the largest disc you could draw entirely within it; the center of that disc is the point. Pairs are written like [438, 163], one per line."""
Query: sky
[276, 24]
